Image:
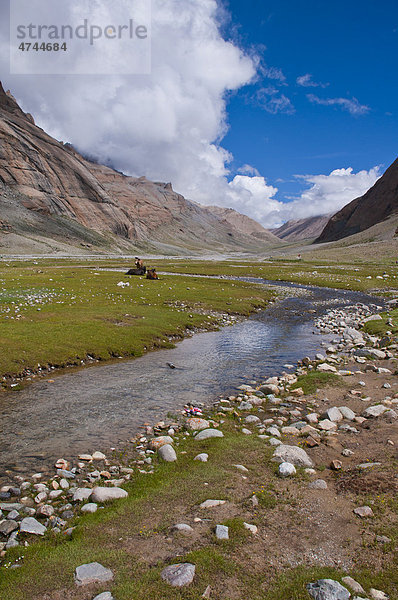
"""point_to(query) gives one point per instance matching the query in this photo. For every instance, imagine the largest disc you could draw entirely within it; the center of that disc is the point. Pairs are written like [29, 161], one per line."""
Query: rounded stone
[292, 454]
[92, 573]
[103, 494]
[286, 469]
[206, 434]
[202, 457]
[90, 507]
[179, 575]
[167, 453]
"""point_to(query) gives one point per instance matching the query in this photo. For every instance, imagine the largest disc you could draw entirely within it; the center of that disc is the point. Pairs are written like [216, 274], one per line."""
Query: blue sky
[280, 109]
[353, 47]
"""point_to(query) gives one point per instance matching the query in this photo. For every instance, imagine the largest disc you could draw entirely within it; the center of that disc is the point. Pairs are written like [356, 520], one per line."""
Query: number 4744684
[43, 47]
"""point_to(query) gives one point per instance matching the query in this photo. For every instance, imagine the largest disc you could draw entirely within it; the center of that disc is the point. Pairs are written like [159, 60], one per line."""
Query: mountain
[302, 229]
[243, 224]
[52, 198]
[378, 204]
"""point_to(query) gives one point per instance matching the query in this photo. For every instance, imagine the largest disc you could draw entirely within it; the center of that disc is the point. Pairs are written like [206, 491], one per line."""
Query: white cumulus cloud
[167, 125]
[329, 193]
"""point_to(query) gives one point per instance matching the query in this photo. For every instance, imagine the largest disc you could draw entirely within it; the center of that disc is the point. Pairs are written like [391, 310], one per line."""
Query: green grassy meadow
[59, 314]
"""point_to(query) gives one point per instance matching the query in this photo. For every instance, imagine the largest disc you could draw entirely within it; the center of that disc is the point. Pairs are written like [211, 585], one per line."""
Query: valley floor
[283, 532]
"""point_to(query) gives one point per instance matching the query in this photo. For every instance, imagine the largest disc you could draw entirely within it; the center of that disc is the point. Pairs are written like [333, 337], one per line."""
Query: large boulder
[92, 573]
[292, 454]
[30, 525]
[328, 589]
[103, 494]
[206, 434]
[179, 575]
[167, 453]
[160, 441]
[196, 424]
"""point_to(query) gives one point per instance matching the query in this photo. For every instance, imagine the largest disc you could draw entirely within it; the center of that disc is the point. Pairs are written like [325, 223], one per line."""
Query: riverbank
[62, 314]
[283, 532]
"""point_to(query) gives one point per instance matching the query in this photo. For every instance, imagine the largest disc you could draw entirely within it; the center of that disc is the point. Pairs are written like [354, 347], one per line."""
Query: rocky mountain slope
[378, 204]
[302, 229]
[243, 223]
[48, 191]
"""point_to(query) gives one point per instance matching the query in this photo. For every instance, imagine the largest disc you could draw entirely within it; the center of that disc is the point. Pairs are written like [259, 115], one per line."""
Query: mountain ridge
[378, 204]
[41, 176]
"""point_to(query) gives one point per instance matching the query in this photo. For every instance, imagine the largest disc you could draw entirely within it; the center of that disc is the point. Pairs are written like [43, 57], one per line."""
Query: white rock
[30, 525]
[363, 511]
[325, 368]
[274, 442]
[334, 414]
[378, 594]
[252, 528]
[274, 431]
[328, 589]
[90, 507]
[103, 494]
[98, 456]
[212, 503]
[196, 424]
[85, 457]
[374, 411]
[82, 494]
[347, 413]
[252, 419]
[203, 457]
[290, 430]
[327, 425]
[222, 532]
[206, 434]
[160, 441]
[104, 596]
[292, 454]
[241, 468]
[286, 469]
[246, 431]
[318, 484]
[92, 573]
[354, 585]
[312, 418]
[182, 528]
[167, 453]
[179, 575]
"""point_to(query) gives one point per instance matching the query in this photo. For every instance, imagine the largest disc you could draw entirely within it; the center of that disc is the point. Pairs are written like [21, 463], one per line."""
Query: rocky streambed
[101, 407]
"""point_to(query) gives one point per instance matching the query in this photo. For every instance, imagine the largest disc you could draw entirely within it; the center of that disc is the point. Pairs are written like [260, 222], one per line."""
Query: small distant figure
[151, 274]
[298, 256]
[140, 269]
[170, 365]
[138, 263]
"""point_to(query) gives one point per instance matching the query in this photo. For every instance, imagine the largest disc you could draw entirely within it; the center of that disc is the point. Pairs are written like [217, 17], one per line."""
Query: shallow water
[103, 406]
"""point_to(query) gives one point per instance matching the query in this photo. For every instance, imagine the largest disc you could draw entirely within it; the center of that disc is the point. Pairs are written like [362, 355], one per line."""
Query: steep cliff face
[377, 205]
[302, 229]
[53, 180]
[243, 223]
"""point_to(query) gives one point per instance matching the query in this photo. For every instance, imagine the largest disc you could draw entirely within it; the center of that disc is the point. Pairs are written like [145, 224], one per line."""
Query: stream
[101, 407]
